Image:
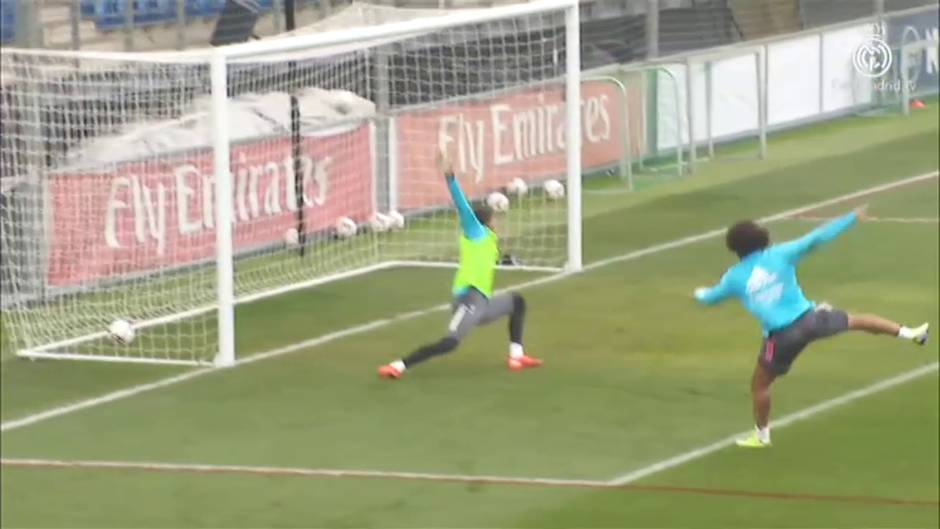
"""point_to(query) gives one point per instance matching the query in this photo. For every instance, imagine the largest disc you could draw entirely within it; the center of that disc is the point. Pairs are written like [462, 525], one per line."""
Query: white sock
[516, 350]
[906, 333]
[398, 364]
[763, 434]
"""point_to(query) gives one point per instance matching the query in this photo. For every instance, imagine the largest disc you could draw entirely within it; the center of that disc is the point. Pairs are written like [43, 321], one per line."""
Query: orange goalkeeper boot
[523, 362]
[389, 371]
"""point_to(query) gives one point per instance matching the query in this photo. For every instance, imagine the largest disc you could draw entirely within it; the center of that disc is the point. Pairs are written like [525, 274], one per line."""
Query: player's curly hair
[746, 237]
[484, 214]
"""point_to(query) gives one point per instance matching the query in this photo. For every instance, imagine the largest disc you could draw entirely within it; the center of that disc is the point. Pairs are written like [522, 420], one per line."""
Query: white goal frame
[219, 58]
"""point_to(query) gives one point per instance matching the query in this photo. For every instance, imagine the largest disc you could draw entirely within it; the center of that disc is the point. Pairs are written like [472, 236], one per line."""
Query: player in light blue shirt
[764, 280]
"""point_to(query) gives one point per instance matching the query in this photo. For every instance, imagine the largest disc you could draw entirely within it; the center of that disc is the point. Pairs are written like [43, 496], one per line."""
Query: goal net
[318, 151]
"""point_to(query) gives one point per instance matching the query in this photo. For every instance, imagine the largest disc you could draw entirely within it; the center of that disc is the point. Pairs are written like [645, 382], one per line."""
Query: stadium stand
[102, 24]
[7, 21]
[756, 19]
[703, 25]
[818, 13]
[823, 12]
[109, 15]
[613, 29]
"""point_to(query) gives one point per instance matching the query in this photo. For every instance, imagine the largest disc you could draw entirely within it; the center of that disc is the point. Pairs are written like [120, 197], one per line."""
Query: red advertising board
[495, 140]
[158, 213]
[154, 214]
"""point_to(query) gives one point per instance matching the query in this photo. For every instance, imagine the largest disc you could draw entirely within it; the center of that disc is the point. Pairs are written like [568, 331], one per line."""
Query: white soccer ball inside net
[518, 187]
[554, 189]
[379, 222]
[497, 201]
[121, 331]
[397, 219]
[291, 237]
[346, 227]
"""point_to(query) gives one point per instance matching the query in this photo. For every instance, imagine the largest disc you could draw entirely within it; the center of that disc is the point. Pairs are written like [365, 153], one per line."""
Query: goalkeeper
[474, 303]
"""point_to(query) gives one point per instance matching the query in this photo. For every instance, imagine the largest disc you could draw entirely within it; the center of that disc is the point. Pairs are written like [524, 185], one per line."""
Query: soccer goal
[145, 195]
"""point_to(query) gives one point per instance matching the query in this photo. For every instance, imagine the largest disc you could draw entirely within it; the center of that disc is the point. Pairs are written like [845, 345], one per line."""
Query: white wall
[807, 76]
[842, 87]
[733, 98]
[793, 80]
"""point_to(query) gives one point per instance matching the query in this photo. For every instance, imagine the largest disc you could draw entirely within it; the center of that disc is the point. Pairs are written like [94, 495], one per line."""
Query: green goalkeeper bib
[477, 264]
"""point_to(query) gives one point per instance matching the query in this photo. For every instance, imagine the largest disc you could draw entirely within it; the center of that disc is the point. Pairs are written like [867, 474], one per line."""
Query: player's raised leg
[873, 324]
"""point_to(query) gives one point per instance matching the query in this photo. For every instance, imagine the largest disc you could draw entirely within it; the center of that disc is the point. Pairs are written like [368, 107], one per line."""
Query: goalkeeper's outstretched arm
[472, 228]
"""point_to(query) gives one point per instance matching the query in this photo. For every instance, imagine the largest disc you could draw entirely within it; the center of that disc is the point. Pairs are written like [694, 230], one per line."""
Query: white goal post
[316, 150]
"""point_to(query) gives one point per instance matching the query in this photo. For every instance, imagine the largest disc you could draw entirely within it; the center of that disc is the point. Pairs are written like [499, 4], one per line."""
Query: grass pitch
[636, 373]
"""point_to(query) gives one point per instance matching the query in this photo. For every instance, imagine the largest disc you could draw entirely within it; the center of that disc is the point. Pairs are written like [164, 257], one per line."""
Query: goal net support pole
[225, 273]
[573, 134]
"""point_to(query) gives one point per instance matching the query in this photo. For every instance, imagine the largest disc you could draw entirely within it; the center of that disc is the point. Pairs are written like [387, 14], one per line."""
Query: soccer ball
[554, 189]
[291, 238]
[380, 222]
[518, 187]
[397, 220]
[346, 227]
[497, 201]
[121, 331]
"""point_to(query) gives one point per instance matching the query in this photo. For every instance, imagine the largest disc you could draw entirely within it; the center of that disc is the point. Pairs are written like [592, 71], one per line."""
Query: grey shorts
[781, 348]
[473, 309]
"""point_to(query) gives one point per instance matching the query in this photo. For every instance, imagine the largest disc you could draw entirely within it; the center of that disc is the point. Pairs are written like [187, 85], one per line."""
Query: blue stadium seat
[87, 9]
[154, 12]
[195, 8]
[7, 21]
[109, 14]
[204, 8]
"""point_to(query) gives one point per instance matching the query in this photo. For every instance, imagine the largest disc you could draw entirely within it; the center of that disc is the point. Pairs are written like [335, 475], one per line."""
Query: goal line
[48, 351]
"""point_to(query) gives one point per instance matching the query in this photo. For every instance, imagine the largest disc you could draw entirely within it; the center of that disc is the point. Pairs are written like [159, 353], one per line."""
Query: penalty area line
[121, 394]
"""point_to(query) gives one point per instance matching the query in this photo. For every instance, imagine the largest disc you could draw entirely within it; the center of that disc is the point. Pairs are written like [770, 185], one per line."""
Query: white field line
[620, 481]
[67, 409]
[890, 220]
[805, 413]
[199, 468]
